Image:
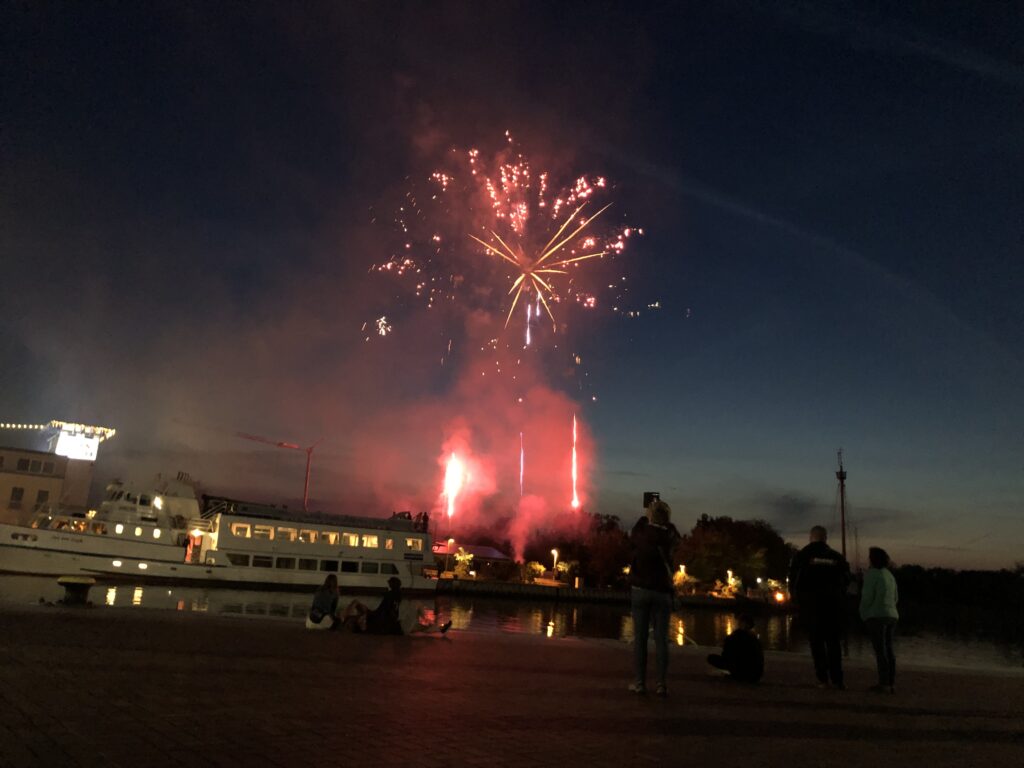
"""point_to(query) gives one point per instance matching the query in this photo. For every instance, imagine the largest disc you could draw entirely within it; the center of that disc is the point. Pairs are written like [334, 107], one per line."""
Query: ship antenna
[841, 477]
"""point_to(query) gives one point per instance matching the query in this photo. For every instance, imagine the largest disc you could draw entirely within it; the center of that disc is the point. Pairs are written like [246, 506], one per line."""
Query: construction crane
[290, 446]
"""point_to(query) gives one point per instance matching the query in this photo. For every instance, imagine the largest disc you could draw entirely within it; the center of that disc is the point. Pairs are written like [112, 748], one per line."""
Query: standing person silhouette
[878, 600]
[650, 578]
[818, 578]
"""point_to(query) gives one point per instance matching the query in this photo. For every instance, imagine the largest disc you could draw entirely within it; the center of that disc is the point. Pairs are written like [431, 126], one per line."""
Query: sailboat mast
[841, 476]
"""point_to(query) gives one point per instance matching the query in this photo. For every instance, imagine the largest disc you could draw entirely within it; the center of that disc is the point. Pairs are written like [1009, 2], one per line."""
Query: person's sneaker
[639, 688]
[446, 626]
[661, 690]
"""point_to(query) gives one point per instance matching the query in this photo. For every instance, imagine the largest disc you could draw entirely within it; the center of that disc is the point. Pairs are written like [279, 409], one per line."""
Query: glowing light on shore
[575, 496]
[454, 477]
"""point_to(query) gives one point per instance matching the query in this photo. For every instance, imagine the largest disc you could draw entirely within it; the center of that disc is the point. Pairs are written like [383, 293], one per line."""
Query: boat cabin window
[119, 528]
[350, 539]
[78, 526]
[370, 540]
[389, 543]
[262, 561]
[416, 545]
[371, 567]
[308, 537]
[350, 566]
[241, 530]
[287, 534]
[236, 559]
[388, 568]
[263, 532]
[144, 500]
[307, 564]
[330, 537]
[286, 562]
[100, 528]
[329, 565]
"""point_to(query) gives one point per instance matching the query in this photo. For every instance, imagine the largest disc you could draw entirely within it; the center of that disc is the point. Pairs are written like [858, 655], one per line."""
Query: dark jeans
[881, 631]
[824, 632]
[650, 607]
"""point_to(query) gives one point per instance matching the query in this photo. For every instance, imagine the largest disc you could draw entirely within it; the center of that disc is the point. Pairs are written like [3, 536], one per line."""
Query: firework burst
[543, 236]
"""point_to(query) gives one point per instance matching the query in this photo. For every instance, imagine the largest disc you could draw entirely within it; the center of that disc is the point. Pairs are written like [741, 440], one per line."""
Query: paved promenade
[119, 687]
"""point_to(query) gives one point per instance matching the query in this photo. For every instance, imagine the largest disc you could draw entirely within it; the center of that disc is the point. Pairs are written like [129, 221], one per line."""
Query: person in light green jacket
[878, 600]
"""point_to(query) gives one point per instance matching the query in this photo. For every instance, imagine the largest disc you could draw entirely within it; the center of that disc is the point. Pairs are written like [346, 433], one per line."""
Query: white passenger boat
[164, 533]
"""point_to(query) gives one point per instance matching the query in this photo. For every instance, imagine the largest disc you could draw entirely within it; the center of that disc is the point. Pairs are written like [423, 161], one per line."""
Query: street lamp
[448, 553]
[554, 565]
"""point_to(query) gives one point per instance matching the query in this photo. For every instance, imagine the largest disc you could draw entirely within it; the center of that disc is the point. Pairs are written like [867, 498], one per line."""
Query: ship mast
[841, 476]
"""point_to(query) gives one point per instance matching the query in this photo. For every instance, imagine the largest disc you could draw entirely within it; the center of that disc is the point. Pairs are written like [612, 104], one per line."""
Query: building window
[262, 561]
[17, 494]
[308, 537]
[329, 565]
[287, 534]
[370, 540]
[23, 465]
[47, 467]
[236, 559]
[350, 539]
[42, 497]
[263, 532]
[241, 530]
[388, 568]
[307, 564]
[35, 466]
[416, 545]
[371, 568]
[286, 562]
[350, 566]
[389, 543]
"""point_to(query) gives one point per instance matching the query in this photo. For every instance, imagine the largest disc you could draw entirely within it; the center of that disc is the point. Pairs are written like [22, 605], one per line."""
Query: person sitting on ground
[354, 618]
[741, 655]
[383, 620]
[323, 613]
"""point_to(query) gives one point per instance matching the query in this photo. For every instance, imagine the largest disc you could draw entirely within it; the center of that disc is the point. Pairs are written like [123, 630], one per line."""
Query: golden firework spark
[535, 272]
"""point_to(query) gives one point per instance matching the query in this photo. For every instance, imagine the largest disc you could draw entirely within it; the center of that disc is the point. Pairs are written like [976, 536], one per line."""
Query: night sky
[191, 196]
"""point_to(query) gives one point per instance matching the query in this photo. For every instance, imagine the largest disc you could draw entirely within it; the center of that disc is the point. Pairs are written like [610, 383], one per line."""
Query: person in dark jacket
[383, 620]
[818, 578]
[650, 578]
[742, 656]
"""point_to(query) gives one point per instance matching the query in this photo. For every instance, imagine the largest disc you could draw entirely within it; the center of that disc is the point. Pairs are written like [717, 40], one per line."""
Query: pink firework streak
[454, 477]
[575, 497]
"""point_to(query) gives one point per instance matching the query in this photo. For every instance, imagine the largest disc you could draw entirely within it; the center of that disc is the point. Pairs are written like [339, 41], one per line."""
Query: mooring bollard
[76, 589]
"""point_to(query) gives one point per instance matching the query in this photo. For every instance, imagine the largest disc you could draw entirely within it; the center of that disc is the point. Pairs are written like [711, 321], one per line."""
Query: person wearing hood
[818, 578]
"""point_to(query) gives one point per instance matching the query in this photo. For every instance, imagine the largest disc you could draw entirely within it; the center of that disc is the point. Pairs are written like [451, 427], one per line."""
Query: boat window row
[310, 536]
[132, 498]
[310, 564]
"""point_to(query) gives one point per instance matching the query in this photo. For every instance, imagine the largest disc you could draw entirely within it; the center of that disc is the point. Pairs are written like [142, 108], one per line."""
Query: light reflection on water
[689, 626]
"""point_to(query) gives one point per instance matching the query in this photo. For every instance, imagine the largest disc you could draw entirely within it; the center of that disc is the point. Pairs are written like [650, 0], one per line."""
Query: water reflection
[917, 643]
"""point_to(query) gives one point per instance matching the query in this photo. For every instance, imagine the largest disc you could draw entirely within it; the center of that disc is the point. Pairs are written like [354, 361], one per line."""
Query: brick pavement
[119, 687]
